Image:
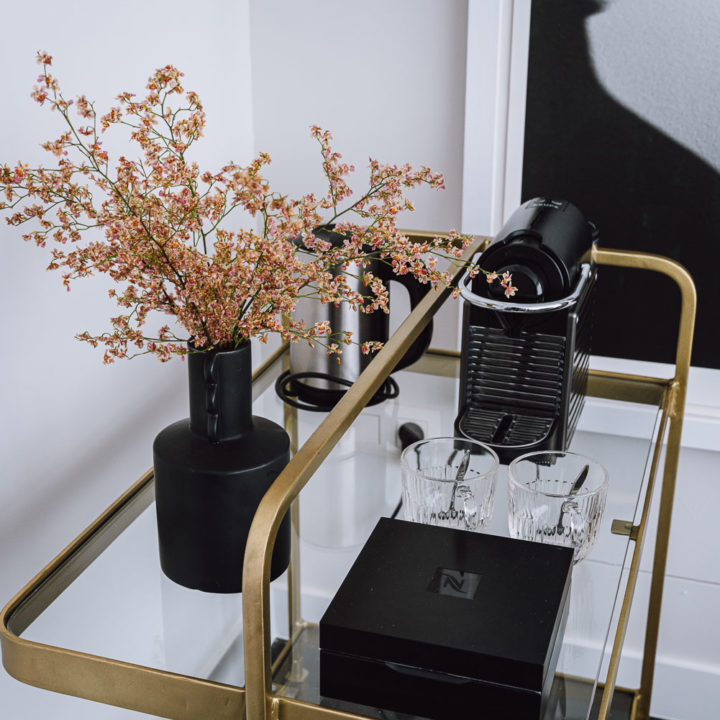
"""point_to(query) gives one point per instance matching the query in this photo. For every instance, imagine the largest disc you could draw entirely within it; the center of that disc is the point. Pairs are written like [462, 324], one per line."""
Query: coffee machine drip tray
[502, 428]
[513, 399]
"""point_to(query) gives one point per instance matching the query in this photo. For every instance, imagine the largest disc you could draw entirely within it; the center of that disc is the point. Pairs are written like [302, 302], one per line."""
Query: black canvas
[437, 622]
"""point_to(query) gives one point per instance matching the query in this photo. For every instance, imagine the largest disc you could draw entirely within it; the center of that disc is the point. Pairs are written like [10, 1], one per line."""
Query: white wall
[75, 433]
[386, 78]
[495, 88]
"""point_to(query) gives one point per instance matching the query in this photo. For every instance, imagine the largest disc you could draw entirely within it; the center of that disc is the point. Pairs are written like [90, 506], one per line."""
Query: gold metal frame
[187, 698]
[670, 394]
[98, 678]
[673, 406]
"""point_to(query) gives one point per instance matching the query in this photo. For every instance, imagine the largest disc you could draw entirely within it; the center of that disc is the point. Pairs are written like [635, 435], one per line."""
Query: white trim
[498, 33]
[703, 385]
[519, 52]
[489, 23]
[701, 425]
[502, 110]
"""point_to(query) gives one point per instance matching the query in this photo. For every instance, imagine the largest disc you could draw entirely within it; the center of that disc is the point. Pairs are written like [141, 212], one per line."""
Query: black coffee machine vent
[525, 359]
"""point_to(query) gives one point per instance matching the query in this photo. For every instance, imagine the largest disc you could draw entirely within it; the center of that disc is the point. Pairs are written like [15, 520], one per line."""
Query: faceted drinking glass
[450, 482]
[557, 498]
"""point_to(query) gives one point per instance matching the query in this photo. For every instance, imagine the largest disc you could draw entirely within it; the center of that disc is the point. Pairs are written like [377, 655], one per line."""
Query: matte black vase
[211, 472]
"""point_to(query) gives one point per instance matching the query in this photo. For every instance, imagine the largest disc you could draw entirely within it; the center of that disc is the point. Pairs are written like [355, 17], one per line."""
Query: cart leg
[290, 415]
[659, 564]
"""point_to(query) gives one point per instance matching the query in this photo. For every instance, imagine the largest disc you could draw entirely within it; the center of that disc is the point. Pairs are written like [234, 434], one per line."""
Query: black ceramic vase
[211, 472]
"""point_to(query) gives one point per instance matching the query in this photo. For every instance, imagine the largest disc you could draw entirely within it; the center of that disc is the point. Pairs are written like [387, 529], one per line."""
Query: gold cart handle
[263, 531]
[277, 500]
[676, 401]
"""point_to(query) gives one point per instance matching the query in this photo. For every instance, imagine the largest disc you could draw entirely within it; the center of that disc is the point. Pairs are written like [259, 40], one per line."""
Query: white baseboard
[680, 691]
[701, 425]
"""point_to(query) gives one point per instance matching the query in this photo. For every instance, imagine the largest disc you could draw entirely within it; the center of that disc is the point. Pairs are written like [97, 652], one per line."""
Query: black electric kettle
[317, 381]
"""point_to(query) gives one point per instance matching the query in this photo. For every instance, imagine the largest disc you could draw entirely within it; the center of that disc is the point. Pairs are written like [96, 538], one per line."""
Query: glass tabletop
[123, 607]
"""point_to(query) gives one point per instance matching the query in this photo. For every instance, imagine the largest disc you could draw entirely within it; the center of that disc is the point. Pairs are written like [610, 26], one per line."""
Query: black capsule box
[441, 623]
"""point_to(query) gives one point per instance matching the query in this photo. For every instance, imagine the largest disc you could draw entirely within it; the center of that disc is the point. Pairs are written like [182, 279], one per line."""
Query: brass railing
[188, 698]
[260, 703]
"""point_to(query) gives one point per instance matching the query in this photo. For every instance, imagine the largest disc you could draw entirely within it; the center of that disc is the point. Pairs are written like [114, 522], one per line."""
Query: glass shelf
[122, 607]
[371, 469]
[101, 621]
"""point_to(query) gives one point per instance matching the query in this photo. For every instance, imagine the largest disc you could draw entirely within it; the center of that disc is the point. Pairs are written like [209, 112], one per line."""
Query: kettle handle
[417, 292]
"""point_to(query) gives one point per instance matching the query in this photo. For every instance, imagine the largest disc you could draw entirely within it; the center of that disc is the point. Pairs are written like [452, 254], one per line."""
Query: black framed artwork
[643, 188]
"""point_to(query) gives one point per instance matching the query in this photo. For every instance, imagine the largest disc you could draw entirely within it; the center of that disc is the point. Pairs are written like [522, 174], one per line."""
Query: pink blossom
[169, 240]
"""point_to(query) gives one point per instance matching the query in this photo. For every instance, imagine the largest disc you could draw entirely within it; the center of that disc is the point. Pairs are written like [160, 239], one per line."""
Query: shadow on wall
[643, 190]
[77, 490]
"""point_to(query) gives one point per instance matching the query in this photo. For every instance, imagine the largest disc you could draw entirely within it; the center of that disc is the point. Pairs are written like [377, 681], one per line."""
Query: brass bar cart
[186, 697]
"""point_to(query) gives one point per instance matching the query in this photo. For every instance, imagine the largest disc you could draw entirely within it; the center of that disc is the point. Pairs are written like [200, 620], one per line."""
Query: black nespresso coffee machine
[525, 358]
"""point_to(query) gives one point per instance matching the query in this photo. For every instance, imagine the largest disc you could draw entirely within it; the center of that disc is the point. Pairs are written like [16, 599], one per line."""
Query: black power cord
[407, 433]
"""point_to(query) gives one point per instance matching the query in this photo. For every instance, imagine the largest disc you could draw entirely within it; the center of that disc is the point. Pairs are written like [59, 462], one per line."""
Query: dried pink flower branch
[166, 241]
